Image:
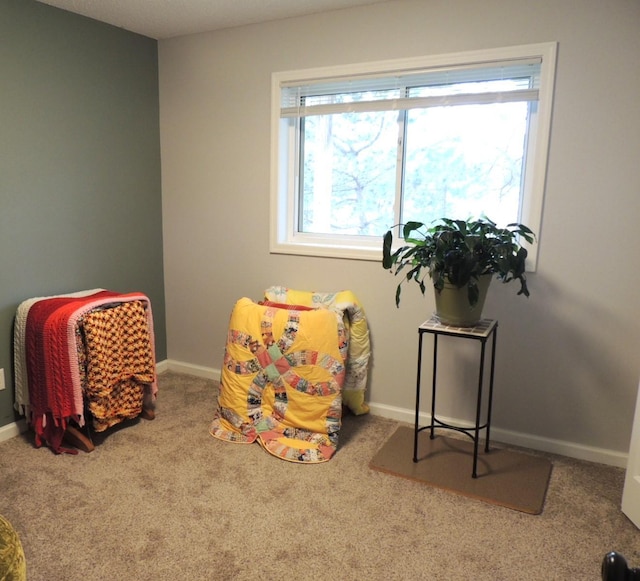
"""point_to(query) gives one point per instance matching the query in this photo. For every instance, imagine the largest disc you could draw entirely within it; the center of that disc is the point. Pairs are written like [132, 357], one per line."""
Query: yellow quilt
[349, 310]
[281, 381]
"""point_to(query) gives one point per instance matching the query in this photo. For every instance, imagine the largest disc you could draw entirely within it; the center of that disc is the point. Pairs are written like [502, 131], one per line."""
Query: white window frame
[284, 239]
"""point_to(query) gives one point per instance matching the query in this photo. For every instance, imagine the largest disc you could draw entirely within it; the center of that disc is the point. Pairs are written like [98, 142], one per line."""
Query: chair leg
[615, 568]
[76, 438]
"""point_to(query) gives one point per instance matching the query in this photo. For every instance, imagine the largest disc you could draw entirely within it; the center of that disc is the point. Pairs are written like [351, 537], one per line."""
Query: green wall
[80, 195]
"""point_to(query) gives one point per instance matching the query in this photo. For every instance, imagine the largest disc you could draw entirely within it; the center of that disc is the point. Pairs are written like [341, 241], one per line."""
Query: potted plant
[461, 257]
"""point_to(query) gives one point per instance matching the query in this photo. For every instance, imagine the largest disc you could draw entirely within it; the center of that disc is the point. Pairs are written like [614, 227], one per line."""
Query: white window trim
[284, 239]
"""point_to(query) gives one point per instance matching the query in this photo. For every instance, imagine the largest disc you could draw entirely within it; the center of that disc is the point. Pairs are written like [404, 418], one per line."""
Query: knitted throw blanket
[20, 357]
[120, 364]
[45, 339]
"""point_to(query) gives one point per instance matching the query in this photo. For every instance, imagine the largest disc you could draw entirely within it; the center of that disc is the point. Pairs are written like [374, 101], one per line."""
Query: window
[359, 149]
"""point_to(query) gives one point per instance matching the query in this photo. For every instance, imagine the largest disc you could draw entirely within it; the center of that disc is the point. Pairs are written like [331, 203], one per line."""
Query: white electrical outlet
[1, 379]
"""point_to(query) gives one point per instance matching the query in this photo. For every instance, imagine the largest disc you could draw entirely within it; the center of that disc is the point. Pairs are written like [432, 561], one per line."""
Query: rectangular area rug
[507, 478]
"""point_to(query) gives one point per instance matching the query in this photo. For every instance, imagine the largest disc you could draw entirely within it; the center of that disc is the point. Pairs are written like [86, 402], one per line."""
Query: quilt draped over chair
[348, 309]
[281, 381]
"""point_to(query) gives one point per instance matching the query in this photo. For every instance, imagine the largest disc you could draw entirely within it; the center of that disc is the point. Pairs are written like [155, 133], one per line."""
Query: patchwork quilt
[281, 381]
[349, 311]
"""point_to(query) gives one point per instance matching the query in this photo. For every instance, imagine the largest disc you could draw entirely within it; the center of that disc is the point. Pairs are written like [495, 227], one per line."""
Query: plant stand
[485, 329]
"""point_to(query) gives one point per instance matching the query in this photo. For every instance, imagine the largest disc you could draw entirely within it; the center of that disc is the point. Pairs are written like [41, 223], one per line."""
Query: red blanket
[52, 362]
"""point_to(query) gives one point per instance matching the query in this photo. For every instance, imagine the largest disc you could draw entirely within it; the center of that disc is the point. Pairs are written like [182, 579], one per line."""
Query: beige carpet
[162, 500]
[512, 479]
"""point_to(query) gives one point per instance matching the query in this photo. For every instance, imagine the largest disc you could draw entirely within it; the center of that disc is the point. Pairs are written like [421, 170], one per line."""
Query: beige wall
[567, 361]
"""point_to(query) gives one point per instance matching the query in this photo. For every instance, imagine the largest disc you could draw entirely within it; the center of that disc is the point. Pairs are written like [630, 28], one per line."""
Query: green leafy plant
[458, 252]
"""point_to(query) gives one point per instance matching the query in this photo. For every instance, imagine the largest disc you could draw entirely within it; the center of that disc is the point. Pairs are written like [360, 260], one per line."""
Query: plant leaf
[387, 261]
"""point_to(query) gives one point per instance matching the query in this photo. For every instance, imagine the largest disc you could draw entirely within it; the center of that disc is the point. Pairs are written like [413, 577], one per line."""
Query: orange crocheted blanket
[120, 363]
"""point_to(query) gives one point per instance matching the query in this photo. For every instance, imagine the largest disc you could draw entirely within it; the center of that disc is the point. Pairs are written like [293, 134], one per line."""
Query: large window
[359, 149]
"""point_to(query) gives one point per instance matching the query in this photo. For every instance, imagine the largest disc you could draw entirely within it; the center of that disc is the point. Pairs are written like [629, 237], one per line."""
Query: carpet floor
[164, 500]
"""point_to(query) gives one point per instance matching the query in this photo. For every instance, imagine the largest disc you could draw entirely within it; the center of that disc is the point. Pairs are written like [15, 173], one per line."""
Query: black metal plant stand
[485, 329]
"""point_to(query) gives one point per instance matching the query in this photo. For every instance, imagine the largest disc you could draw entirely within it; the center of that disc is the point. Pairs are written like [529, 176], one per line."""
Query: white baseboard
[162, 366]
[563, 448]
[196, 370]
[15, 428]
[560, 447]
[12, 430]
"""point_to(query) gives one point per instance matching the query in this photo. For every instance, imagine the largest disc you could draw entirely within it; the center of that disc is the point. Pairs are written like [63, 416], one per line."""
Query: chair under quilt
[281, 381]
[350, 311]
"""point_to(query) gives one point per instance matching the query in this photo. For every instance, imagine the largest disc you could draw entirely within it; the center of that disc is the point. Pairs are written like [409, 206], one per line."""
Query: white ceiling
[166, 18]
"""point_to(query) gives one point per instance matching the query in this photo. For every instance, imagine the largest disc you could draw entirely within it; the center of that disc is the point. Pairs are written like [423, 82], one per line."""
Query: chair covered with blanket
[87, 352]
[348, 309]
[281, 381]
[291, 362]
